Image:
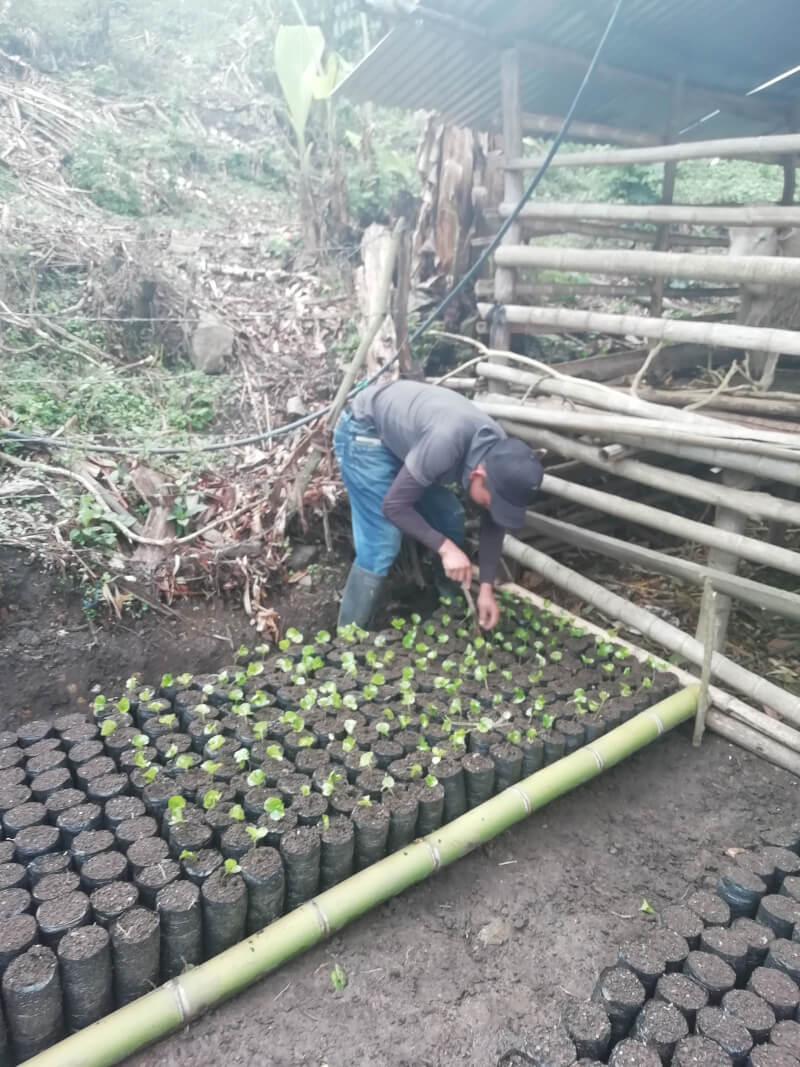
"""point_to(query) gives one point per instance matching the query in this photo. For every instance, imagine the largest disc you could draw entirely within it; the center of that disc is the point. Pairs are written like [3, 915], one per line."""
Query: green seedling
[184, 761]
[168, 720]
[108, 728]
[366, 759]
[326, 821]
[257, 833]
[431, 780]
[123, 706]
[171, 752]
[167, 681]
[216, 743]
[151, 774]
[547, 721]
[210, 767]
[211, 799]
[231, 867]
[383, 729]
[348, 744]
[274, 809]
[140, 761]
[330, 783]
[260, 729]
[187, 854]
[365, 802]
[338, 978]
[645, 907]
[175, 806]
[237, 813]
[275, 752]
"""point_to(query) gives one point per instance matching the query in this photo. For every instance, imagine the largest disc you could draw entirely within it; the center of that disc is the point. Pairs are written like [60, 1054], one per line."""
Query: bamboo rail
[663, 633]
[675, 525]
[759, 595]
[669, 214]
[716, 334]
[781, 271]
[784, 144]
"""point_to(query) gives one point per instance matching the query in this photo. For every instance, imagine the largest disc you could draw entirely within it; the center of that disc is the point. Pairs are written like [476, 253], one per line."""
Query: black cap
[513, 475]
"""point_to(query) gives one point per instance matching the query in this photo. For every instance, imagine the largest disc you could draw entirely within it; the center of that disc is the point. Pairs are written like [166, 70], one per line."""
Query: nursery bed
[185, 815]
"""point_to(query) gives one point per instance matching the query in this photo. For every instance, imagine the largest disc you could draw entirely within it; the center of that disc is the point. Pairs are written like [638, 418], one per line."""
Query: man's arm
[399, 507]
[489, 550]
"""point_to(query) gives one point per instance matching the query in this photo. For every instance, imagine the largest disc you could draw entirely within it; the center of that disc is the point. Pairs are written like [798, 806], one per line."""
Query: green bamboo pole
[184, 999]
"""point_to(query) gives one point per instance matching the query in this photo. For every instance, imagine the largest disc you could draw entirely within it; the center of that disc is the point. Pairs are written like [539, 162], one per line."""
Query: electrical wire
[282, 431]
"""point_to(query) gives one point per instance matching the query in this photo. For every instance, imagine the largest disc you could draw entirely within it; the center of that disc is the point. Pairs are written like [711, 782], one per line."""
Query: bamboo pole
[746, 502]
[707, 613]
[744, 681]
[662, 242]
[781, 271]
[770, 461]
[675, 525]
[537, 290]
[717, 334]
[667, 214]
[769, 598]
[184, 999]
[749, 724]
[725, 148]
[770, 404]
[608, 232]
[608, 399]
[505, 277]
[782, 470]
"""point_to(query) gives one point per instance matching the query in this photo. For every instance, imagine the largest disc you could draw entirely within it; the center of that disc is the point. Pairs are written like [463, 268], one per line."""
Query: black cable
[431, 319]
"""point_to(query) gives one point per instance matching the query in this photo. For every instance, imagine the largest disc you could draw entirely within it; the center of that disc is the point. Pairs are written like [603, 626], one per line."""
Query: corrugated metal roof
[720, 46]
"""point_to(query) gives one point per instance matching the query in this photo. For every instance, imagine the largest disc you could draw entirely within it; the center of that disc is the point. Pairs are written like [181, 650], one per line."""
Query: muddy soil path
[451, 973]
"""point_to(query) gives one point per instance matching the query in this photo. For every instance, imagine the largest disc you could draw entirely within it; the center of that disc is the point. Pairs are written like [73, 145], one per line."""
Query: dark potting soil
[36, 841]
[771, 1056]
[90, 843]
[85, 958]
[741, 890]
[777, 988]
[224, 904]
[784, 956]
[113, 900]
[757, 863]
[56, 917]
[16, 936]
[758, 937]
[791, 888]
[32, 997]
[49, 782]
[310, 809]
[751, 1011]
[338, 851]
[728, 945]
[31, 732]
[76, 819]
[13, 876]
[622, 995]
[121, 809]
[551, 1047]
[781, 914]
[784, 862]
[134, 829]
[263, 874]
[19, 818]
[149, 880]
[709, 907]
[235, 842]
[783, 837]
[669, 946]
[50, 863]
[85, 751]
[712, 973]
[14, 902]
[728, 1032]
[403, 808]
[55, 885]
[7, 851]
[178, 905]
[61, 801]
[102, 869]
[136, 948]
[786, 1035]
[146, 851]
[47, 761]
[643, 958]
[662, 1026]
[700, 1052]
[589, 1028]
[684, 993]
[197, 866]
[631, 1053]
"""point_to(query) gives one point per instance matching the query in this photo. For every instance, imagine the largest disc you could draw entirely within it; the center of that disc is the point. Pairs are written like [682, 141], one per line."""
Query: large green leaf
[298, 55]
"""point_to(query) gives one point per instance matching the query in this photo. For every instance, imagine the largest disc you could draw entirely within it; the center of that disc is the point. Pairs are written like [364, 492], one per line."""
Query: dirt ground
[457, 970]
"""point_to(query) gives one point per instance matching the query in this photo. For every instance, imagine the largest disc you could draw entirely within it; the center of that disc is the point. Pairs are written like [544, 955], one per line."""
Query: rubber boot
[360, 597]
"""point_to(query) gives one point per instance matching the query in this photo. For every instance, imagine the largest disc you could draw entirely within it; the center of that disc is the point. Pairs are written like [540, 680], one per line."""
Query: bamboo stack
[619, 433]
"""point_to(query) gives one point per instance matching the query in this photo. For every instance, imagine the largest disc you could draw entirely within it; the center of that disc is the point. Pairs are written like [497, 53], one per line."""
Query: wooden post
[404, 362]
[733, 522]
[662, 242]
[505, 277]
[706, 635]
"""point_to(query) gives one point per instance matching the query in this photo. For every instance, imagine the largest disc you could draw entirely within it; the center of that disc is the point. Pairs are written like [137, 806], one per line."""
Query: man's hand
[488, 611]
[456, 563]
